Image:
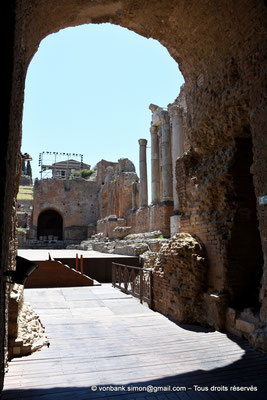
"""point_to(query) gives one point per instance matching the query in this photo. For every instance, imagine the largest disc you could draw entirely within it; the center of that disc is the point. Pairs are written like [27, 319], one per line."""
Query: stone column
[177, 149]
[134, 191]
[143, 172]
[166, 158]
[155, 168]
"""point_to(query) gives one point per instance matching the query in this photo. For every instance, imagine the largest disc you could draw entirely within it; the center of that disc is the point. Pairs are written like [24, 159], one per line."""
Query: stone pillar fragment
[134, 192]
[177, 148]
[155, 167]
[166, 159]
[143, 172]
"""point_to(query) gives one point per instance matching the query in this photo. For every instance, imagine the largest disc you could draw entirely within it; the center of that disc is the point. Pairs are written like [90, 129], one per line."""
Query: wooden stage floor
[105, 344]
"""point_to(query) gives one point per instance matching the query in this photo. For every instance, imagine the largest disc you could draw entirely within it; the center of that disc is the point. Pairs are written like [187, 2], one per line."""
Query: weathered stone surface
[22, 236]
[115, 187]
[230, 319]
[131, 245]
[75, 201]
[149, 259]
[104, 247]
[245, 323]
[124, 165]
[84, 245]
[245, 326]
[26, 332]
[109, 175]
[143, 235]
[15, 306]
[258, 338]
[155, 244]
[221, 54]
[121, 231]
[130, 249]
[179, 279]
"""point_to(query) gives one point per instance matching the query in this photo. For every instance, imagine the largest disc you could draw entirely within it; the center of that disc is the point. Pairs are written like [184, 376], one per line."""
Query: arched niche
[50, 223]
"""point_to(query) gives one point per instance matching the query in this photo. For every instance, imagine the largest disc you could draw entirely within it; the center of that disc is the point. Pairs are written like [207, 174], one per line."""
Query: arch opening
[96, 73]
[203, 55]
[245, 254]
[50, 224]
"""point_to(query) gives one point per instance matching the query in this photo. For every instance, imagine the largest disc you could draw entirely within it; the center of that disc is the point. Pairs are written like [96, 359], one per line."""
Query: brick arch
[220, 50]
[203, 38]
[50, 223]
[222, 62]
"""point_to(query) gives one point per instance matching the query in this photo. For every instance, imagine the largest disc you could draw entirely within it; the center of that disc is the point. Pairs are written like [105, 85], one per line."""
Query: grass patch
[23, 196]
[25, 193]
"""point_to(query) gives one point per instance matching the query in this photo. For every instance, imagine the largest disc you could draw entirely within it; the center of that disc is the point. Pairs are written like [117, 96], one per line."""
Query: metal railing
[133, 280]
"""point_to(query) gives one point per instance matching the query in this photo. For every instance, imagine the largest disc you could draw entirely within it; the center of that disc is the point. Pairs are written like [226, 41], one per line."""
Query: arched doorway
[223, 64]
[50, 223]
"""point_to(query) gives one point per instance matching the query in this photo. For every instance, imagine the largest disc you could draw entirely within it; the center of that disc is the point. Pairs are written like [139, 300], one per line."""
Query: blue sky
[88, 90]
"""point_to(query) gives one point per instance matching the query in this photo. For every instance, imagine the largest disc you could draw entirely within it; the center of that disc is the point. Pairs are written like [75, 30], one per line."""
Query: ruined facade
[221, 178]
[74, 202]
[67, 211]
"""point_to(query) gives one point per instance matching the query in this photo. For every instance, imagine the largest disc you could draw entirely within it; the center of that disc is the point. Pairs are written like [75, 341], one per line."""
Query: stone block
[245, 326]
[174, 224]
[215, 306]
[258, 338]
[133, 249]
[121, 231]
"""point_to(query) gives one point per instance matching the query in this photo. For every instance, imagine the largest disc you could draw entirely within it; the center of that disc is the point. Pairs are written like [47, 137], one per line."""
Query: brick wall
[75, 200]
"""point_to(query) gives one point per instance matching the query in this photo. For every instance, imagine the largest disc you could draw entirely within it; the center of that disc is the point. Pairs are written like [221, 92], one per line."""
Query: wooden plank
[101, 336]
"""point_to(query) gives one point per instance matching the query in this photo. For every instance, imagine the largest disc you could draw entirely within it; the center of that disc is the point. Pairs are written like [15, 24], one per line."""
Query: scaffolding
[52, 164]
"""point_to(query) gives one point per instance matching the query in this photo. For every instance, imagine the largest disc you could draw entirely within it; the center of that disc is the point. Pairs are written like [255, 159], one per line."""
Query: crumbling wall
[75, 200]
[179, 279]
[217, 202]
[115, 192]
[221, 52]
[151, 218]
[26, 333]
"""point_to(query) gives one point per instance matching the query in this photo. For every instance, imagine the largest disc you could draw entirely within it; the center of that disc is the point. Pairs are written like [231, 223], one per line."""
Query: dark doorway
[244, 251]
[50, 223]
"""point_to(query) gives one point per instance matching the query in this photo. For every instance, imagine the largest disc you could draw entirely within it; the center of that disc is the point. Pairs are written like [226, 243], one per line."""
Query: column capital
[174, 109]
[164, 117]
[142, 142]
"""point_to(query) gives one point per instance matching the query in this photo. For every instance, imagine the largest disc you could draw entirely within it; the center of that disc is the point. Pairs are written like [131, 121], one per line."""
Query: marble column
[143, 172]
[155, 168]
[166, 158]
[177, 149]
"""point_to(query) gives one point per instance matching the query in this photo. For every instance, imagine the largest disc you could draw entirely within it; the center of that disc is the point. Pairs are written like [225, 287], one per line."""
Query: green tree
[23, 166]
[29, 169]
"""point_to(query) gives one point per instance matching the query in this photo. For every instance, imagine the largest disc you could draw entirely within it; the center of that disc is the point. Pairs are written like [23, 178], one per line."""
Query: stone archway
[223, 92]
[221, 52]
[50, 224]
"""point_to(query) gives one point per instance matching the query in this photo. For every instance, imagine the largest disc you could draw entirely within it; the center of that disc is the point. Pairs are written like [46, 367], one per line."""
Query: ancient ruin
[208, 153]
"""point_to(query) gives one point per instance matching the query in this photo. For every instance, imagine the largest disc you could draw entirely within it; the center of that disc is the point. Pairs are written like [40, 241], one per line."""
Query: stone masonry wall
[75, 200]
[115, 196]
[151, 218]
[179, 279]
[221, 51]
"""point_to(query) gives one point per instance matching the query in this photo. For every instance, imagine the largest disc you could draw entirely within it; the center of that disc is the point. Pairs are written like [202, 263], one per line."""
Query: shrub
[83, 173]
